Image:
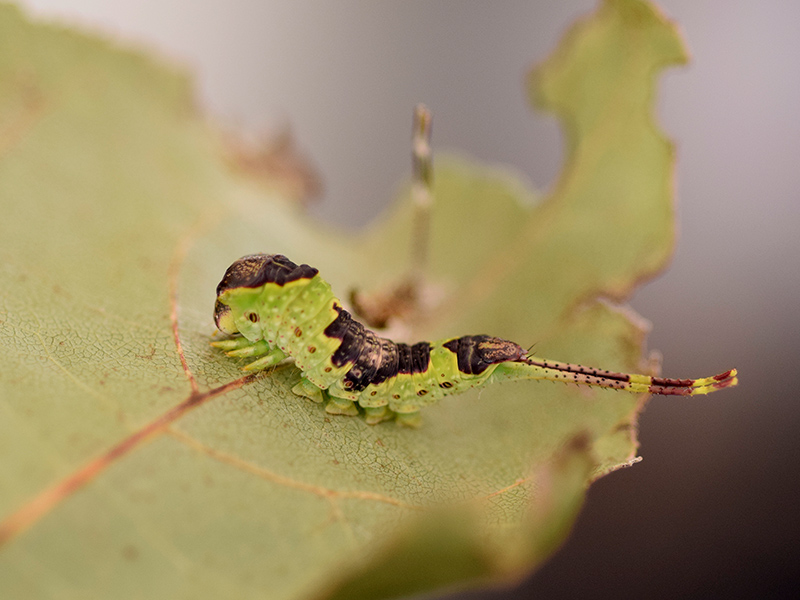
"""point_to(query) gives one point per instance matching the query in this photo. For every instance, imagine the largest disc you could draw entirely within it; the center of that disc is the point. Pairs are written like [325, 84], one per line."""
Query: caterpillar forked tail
[534, 368]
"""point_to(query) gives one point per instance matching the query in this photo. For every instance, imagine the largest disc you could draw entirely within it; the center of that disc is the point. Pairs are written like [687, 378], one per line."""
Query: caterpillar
[277, 309]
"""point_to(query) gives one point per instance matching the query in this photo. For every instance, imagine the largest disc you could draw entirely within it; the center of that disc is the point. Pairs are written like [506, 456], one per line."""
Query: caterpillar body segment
[278, 309]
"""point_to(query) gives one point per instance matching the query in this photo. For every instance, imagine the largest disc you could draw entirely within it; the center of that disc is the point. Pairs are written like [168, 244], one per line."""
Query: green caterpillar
[280, 309]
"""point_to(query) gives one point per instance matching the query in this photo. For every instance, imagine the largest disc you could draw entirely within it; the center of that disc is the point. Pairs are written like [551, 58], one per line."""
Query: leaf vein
[269, 475]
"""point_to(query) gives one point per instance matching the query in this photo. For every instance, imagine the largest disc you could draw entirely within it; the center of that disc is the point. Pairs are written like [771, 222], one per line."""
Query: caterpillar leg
[341, 406]
[242, 347]
[274, 356]
[409, 419]
[232, 343]
[377, 414]
[306, 389]
[258, 348]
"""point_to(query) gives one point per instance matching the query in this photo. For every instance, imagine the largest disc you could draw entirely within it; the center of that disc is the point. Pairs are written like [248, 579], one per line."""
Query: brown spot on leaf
[275, 162]
[379, 307]
[149, 355]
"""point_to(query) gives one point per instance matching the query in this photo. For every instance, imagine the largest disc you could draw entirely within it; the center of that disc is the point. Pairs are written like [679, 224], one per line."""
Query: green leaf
[136, 462]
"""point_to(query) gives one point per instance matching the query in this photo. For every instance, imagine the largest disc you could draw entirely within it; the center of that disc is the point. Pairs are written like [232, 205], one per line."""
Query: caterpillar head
[237, 309]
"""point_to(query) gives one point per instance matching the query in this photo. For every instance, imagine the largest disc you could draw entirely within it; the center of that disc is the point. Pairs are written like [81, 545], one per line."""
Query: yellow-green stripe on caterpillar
[278, 309]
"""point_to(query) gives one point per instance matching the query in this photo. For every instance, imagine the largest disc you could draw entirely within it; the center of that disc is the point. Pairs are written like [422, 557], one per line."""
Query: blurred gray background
[711, 511]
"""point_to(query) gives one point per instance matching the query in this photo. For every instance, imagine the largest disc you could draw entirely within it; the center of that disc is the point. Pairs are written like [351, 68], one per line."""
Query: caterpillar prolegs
[278, 309]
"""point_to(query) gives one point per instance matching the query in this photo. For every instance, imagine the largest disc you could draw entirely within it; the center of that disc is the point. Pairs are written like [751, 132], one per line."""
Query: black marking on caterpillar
[278, 309]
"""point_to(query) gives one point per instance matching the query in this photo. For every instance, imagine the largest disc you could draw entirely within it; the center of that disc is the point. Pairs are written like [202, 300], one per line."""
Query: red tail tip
[725, 375]
[721, 385]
